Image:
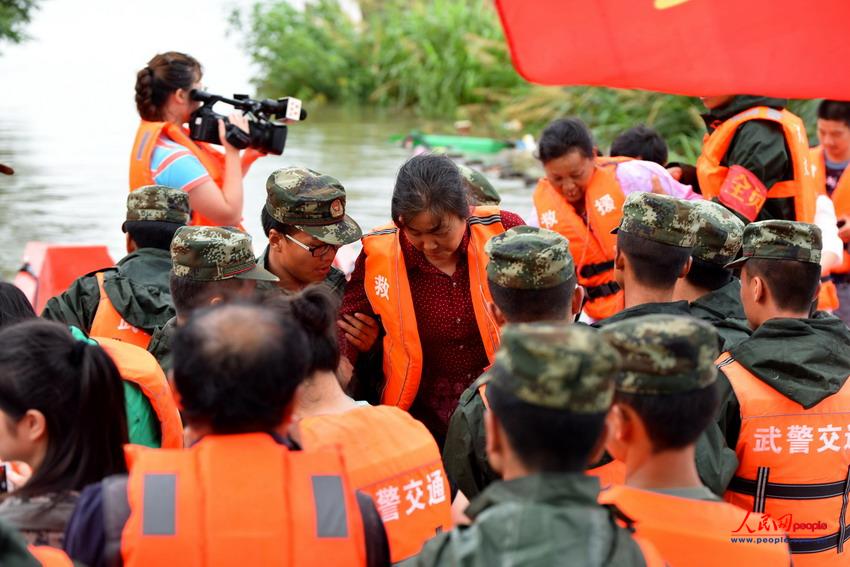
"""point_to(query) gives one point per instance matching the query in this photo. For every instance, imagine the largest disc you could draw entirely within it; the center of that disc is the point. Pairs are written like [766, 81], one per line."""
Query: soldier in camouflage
[713, 292]
[801, 356]
[304, 219]
[666, 397]
[479, 190]
[549, 391]
[136, 288]
[654, 244]
[532, 278]
[209, 264]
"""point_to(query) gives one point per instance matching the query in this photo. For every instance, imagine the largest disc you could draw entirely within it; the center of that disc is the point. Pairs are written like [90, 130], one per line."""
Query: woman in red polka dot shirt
[423, 278]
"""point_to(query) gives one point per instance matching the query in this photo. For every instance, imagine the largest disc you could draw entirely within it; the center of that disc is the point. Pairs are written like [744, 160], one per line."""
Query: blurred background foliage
[443, 60]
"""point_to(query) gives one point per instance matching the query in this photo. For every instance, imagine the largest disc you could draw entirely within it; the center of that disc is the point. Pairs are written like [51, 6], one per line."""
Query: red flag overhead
[784, 48]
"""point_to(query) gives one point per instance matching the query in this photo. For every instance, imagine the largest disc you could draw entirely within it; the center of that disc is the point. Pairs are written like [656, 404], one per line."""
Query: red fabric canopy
[784, 48]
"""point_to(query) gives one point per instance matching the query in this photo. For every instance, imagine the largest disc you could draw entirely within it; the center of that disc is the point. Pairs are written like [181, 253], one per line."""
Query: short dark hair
[269, 223]
[792, 284]
[529, 305]
[563, 136]
[706, 275]
[674, 421]
[14, 305]
[237, 366]
[641, 142]
[315, 310]
[837, 110]
[188, 295]
[655, 265]
[428, 183]
[547, 440]
[151, 234]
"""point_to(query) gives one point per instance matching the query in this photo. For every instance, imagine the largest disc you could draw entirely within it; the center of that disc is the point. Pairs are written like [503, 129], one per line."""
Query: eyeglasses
[315, 251]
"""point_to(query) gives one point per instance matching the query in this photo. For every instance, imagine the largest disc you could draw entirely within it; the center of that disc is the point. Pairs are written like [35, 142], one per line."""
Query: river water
[67, 121]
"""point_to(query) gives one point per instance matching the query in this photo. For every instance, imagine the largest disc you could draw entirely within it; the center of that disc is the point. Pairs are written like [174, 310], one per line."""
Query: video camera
[264, 134]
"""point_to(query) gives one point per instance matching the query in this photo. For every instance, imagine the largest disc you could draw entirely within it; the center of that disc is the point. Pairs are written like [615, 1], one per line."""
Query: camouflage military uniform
[551, 518]
[718, 240]
[805, 360]
[314, 203]
[523, 257]
[138, 289]
[206, 254]
[478, 188]
[138, 285]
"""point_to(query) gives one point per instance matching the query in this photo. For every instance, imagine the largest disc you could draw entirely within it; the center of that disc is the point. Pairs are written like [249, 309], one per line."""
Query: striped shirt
[175, 166]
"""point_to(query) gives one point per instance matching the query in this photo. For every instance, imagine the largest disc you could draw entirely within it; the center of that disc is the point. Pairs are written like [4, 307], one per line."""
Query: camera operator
[163, 153]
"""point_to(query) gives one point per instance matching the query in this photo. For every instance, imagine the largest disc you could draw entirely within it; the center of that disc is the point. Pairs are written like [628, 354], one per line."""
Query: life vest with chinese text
[801, 188]
[591, 242]
[394, 459]
[240, 500]
[794, 465]
[698, 533]
[388, 290]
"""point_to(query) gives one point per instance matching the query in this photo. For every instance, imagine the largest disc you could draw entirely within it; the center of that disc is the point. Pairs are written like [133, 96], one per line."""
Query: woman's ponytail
[163, 75]
[315, 309]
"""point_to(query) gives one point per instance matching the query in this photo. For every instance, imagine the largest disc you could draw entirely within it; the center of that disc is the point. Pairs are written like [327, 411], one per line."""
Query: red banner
[784, 48]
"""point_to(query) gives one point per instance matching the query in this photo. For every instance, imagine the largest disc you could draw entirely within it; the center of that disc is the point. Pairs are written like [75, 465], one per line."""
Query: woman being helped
[163, 153]
[425, 277]
[61, 413]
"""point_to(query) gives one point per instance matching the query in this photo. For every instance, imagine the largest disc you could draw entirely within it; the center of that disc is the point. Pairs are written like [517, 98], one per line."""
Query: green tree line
[441, 59]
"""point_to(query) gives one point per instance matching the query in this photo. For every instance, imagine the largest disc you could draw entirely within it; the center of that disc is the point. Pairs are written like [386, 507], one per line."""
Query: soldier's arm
[75, 306]
[464, 455]
[759, 146]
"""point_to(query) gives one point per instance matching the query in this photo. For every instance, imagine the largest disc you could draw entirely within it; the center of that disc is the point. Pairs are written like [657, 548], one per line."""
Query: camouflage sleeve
[759, 146]
[465, 454]
[75, 306]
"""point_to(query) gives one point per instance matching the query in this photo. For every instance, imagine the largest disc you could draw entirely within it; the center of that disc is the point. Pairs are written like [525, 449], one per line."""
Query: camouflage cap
[158, 203]
[660, 218]
[719, 233]
[312, 202]
[479, 187]
[781, 240]
[525, 257]
[664, 354]
[556, 365]
[215, 253]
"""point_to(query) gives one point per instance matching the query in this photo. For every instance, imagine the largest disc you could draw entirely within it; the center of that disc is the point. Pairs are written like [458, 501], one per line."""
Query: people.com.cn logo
[764, 524]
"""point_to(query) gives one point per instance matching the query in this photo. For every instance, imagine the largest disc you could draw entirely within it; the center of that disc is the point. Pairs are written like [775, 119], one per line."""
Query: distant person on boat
[830, 158]
[129, 301]
[304, 219]
[424, 276]
[163, 153]
[62, 404]
[209, 265]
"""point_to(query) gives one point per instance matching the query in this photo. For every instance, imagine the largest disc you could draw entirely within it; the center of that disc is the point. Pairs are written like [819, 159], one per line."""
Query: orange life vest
[138, 366]
[393, 458]
[840, 197]
[695, 532]
[140, 159]
[591, 243]
[794, 464]
[388, 290]
[240, 500]
[801, 188]
[108, 322]
[50, 556]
